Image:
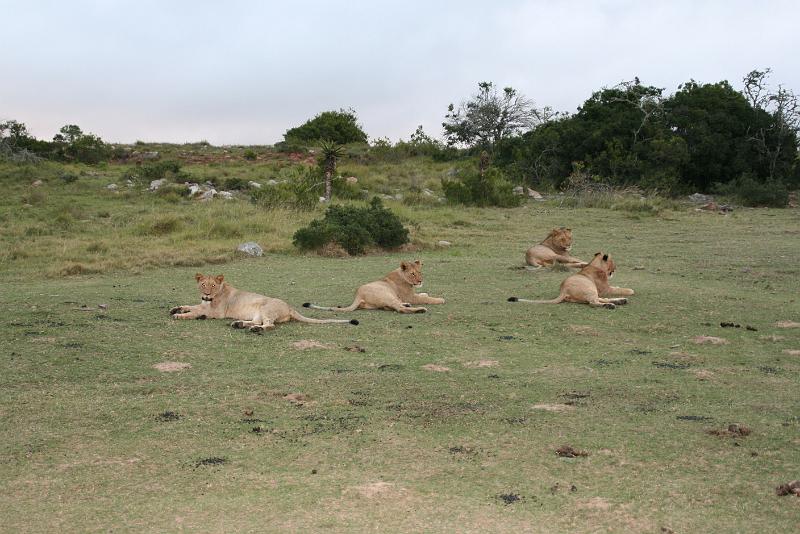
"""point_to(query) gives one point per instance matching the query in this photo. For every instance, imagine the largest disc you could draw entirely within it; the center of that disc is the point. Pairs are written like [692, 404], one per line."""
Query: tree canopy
[341, 127]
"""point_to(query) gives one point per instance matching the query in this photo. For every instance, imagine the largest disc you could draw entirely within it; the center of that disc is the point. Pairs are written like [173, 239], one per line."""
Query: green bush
[354, 228]
[748, 191]
[233, 184]
[68, 177]
[249, 155]
[490, 189]
[159, 169]
[340, 127]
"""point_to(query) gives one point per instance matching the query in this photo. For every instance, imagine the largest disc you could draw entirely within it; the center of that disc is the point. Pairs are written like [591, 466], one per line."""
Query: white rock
[272, 182]
[227, 195]
[193, 189]
[155, 184]
[518, 190]
[427, 192]
[207, 195]
[534, 194]
[250, 248]
[111, 187]
[36, 183]
[444, 243]
[254, 184]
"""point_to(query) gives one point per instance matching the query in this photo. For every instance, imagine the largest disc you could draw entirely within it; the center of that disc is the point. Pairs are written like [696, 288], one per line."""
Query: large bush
[748, 191]
[475, 189]
[354, 228]
[338, 126]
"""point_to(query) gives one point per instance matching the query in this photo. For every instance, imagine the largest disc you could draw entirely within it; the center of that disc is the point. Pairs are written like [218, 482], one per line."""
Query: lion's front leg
[569, 261]
[189, 312]
[618, 292]
[424, 298]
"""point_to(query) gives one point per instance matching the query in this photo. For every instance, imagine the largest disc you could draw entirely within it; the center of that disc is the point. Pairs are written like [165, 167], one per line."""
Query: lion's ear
[568, 229]
[605, 257]
[403, 265]
[418, 262]
[219, 278]
[597, 254]
[198, 276]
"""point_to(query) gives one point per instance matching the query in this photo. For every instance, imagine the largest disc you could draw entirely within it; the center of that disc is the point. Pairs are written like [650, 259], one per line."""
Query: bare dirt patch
[709, 340]
[568, 451]
[792, 352]
[583, 330]
[787, 324]
[554, 407]
[298, 399]
[435, 368]
[773, 338]
[305, 344]
[704, 374]
[477, 364]
[377, 490]
[172, 367]
[595, 503]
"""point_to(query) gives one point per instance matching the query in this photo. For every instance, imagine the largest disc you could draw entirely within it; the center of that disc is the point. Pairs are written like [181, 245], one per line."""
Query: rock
[251, 249]
[398, 196]
[207, 195]
[272, 182]
[534, 194]
[452, 171]
[518, 190]
[227, 195]
[150, 155]
[36, 183]
[254, 185]
[155, 184]
[427, 192]
[193, 189]
[111, 187]
[443, 243]
[322, 199]
[351, 180]
[699, 198]
[129, 183]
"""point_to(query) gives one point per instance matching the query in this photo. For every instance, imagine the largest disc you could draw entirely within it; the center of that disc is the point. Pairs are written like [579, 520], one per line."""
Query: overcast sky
[243, 72]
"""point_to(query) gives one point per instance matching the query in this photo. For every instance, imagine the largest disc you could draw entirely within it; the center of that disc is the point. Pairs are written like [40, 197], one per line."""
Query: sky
[243, 72]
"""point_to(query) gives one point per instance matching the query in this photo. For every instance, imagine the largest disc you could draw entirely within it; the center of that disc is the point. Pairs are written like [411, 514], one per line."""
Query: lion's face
[562, 237]
[412, 272]
[604, 262]
[210, 286]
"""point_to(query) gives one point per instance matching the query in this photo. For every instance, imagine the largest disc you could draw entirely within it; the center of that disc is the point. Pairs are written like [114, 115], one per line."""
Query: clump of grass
[163, 225]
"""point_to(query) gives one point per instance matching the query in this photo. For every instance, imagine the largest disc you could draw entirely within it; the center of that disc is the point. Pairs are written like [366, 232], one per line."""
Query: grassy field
[259, 435]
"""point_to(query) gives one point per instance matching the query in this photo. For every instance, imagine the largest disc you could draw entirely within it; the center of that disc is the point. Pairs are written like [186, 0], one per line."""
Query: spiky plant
[331, 152]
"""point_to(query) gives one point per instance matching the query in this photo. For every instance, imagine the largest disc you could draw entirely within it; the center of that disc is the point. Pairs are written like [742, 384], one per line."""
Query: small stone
[254, 185]
[443, 243]
[207, 195]
[155, 184]
[227, 195]
[272, 182]
[111, 187]
[250, 248]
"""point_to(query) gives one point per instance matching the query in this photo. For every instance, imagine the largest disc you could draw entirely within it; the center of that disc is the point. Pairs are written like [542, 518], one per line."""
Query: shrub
[68, 177]
[159, 169]
[300, 191]
[489, 189]
[750, 192]
[234, 184]
[249, 155]
[354, 228]
[340, 127]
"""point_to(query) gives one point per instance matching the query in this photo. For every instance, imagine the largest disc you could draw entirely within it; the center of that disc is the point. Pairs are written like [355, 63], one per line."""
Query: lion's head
[412, 272]
[210, 286]
[604, 262]
[561, 237]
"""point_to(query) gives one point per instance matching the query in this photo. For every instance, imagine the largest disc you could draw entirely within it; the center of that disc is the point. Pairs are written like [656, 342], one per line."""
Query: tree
[331, 152]
[775, 134]
[489, 117]
[75, 145]
[338, 126]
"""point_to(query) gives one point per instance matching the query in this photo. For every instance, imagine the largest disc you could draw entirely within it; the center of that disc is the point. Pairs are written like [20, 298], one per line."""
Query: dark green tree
[338, 126]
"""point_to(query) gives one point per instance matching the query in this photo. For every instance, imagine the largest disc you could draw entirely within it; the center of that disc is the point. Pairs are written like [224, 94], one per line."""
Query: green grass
[83, 449]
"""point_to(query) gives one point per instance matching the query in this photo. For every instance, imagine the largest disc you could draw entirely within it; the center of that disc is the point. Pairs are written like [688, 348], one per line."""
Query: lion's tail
[303, 319]
[556, 300]
[352, 307]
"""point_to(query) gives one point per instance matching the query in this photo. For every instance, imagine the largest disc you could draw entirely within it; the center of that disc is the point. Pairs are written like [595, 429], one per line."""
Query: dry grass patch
[172, 367]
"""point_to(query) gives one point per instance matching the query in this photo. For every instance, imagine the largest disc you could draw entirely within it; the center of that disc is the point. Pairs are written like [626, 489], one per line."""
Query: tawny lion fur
[554, 249]
[251, 310]
[590, 286]
[394, 292]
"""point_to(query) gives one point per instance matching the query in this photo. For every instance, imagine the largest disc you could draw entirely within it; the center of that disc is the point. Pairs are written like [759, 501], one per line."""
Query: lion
[553, 250]
[394, 292]
[251, 310]
[590, 286]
